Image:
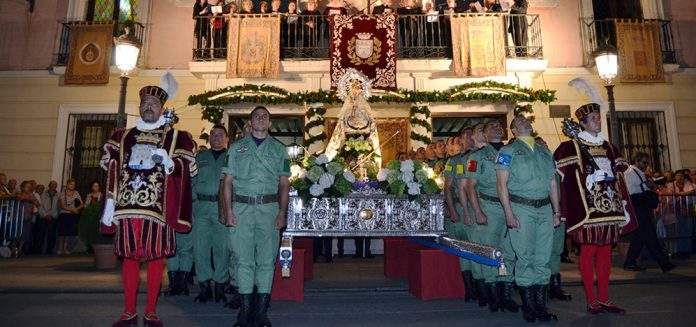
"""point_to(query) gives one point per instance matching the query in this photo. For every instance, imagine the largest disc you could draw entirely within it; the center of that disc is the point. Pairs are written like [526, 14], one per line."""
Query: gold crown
[148, 137]
[586, 109]
[364, 36]
[154, 91]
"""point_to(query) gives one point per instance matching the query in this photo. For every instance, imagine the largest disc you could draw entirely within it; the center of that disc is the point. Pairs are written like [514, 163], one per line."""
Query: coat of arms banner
[90, 53]
[478, 46]
[253, 49]
[640, 52]
[367, 44]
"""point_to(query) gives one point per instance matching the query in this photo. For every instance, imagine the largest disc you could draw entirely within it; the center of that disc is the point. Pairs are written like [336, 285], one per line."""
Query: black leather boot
[234, 301]
[469, 286]
[205, 293]
[493, 300]
[527, 295]
[540, 294]
[173, 288]
[245, 317]
[480, 286]
[181, 278]
[220, 293]
[506, 302]
[261, 309]
[555, 290]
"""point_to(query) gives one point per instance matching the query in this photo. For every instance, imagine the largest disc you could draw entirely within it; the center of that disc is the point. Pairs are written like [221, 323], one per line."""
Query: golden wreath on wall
[363, 49]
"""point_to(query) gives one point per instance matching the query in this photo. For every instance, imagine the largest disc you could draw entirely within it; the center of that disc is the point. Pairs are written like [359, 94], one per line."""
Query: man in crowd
[385, 7]
[645, 236]
[4, 191]
[489, 215]
[593, 191]
[48, 219]
[209, 235]
[255, 197]
[529, 196]
[148, 199]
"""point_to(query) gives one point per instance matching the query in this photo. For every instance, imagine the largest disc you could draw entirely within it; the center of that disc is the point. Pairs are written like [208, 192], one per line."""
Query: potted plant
[104, 256]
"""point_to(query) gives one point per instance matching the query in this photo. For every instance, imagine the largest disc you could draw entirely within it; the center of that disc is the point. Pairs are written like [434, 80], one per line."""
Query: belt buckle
[255, 200]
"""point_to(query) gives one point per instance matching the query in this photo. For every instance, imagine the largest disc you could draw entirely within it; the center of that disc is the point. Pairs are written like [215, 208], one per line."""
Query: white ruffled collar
[143, 126]
[587, 137]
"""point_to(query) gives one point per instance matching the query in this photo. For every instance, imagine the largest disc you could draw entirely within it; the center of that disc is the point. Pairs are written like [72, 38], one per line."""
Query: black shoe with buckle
[126, 319]
[633, 267]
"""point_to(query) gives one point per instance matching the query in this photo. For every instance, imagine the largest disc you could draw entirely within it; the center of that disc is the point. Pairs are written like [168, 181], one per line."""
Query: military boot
[220, 293]
[205, 293]
[555, 290]
[234, 301]
[480, 286]
[181, 278]
[527, 295]
[245, 316]
[174, 288]
[506, 302]
[262, 303]
[493, 297]
[540, 297]
[469, 286]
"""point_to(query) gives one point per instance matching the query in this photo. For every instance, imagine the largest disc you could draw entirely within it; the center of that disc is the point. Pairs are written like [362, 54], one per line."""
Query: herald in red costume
[151, 201]
[595, 209]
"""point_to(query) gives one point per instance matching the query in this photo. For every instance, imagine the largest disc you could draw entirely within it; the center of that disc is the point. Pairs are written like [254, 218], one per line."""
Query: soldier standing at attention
[209, 235]
[256, 187]
[528, 192]
[489, 215]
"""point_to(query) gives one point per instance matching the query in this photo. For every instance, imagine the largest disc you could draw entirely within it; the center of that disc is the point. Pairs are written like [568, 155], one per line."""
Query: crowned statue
[355, 118]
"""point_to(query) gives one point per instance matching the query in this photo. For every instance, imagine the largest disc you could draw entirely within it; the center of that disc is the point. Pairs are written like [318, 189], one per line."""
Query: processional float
[370, 212]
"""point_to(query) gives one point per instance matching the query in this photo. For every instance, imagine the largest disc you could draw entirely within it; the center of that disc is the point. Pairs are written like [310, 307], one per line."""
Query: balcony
[61, 58]
[595, 31]
[418, 37]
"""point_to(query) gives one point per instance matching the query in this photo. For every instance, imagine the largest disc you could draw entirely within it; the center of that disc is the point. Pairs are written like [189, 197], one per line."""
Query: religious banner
[90, 53]
[253, 49]
[640, 52]
[366, 43]
[478, 46]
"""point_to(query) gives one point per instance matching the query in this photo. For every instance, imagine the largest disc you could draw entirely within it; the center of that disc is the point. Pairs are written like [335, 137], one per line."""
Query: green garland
[320, 121]
[311, 112]
[315, 123]
[419, 137]
[266, 94]
[315, 138]
[423, 110]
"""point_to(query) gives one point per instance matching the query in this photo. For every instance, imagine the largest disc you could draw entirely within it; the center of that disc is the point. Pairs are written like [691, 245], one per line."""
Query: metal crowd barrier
[11, 223]
[674, 220]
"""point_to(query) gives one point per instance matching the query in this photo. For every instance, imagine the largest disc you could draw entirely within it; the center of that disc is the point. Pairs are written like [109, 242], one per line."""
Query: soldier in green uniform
[209, 235]
[256, 187]
[490, 220]
[528, 192]
[179, 266]
[458, 219]
[470, 228]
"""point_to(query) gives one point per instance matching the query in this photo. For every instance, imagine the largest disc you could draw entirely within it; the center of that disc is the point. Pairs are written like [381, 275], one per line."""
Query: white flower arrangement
[326, 180]
[382, 174]
[349, 176]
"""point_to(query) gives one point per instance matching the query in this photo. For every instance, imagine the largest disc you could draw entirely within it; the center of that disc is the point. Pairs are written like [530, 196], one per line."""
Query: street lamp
[607, 62]
[127, 50]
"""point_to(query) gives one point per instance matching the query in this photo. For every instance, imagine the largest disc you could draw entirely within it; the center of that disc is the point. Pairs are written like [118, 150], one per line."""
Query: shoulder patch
[448, 167]
[286, 165]
[503, 159]
[460, 169]
[471, 165]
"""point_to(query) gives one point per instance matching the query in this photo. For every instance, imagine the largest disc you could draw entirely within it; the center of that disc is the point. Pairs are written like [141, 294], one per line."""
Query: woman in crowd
[96, 195]
[290, 25]
[263, 7]
[29, 203]
[70, 204]
[247, 7]
[201, 30]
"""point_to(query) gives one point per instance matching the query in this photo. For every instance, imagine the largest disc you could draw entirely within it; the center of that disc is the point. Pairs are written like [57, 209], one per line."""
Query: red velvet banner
[366, 43]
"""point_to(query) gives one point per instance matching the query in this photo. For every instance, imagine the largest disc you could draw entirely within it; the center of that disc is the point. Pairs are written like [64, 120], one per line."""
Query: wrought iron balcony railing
[61, 58]
[423, 36]
[595, 31]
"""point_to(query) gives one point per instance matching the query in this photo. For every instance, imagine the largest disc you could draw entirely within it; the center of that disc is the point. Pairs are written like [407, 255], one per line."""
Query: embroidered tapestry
[253, 49]
[478, 46]
[640, 52]
[366, 43]
[89, 60]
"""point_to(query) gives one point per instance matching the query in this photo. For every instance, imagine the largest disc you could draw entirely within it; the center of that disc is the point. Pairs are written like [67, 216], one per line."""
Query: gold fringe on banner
[90, 53]
[640, 52]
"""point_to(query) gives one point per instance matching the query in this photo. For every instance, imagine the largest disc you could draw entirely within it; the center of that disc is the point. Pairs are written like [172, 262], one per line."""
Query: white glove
[107, 217]
[597, 176]
[626, 213]
[166, 161]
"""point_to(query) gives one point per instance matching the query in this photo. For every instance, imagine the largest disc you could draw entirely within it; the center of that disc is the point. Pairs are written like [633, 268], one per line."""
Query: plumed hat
[154, 91]
[586, 109]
